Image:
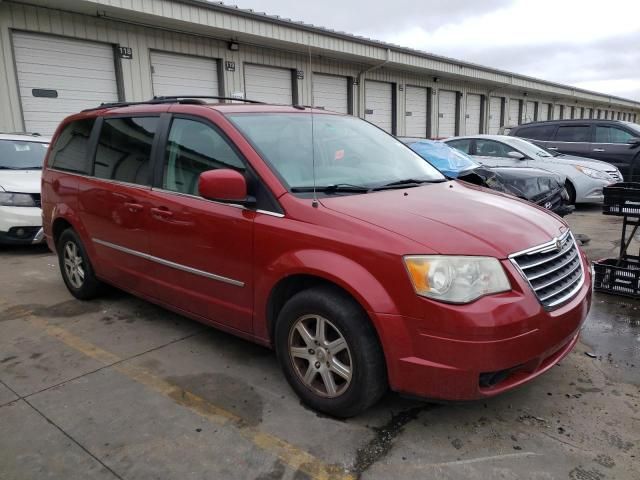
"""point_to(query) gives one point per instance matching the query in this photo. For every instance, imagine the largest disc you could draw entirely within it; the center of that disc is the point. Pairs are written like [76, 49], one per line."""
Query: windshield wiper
[336, 188]
[407, 182]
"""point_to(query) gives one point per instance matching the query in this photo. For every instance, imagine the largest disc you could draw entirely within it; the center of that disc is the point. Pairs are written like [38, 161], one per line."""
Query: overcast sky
[587, 43]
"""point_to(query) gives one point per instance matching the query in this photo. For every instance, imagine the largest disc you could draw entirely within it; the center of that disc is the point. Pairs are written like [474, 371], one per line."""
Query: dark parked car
[536, 185]
[613, 141]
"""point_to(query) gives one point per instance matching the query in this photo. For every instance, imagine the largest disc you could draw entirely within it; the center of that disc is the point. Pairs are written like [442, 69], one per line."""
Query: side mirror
[633, 141]
[224, 185]
[516, 155]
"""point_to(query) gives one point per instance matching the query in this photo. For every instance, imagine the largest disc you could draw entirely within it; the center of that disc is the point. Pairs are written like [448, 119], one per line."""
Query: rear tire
[571, 191]
[330, 353]
[75, 267]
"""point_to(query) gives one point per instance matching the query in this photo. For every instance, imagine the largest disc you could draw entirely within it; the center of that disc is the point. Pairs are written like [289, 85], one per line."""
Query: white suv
[21, 159]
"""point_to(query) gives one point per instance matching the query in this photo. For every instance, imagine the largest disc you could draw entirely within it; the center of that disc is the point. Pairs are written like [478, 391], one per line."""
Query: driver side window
[491, 148]
[192, 148]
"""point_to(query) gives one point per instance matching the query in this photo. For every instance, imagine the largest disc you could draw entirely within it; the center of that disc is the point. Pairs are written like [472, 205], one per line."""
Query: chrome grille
[553, 270]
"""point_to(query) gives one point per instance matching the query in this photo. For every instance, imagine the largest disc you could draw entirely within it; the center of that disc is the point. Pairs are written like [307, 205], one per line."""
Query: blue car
[538, 186]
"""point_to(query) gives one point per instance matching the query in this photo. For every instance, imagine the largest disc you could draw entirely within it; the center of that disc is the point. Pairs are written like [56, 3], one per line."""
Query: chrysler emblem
[558, 244]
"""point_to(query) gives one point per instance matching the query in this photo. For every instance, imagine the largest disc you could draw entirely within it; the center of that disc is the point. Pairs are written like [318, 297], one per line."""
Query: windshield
[528, 148]
[22, 155]
[446, 159]
[347, 150]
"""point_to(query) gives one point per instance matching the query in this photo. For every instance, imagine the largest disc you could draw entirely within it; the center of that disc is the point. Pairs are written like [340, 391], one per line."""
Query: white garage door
[567, 112]
[543, 112]
[60, 76]
[514, 112]
[446, 113]
[378, 104]
[529, 112]
[556, 112]
[174, 74]
[495, 112]
[330, 93]
[472, 117]
[268, 84]
[416, 112]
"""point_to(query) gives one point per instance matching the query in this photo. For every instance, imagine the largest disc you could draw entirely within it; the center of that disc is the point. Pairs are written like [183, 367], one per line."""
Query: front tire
[75, 267]
[330, 353]
[571, 191]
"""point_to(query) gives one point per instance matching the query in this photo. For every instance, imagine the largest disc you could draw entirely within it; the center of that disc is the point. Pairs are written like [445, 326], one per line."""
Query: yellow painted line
[290, 455]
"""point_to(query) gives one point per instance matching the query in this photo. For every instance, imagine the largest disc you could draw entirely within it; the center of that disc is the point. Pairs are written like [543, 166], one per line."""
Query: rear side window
[612, 135]
[124, 149]
[540, 132]
[491, 148]
[573, 133]
[192, 148]
[463, 145]
[70, 152]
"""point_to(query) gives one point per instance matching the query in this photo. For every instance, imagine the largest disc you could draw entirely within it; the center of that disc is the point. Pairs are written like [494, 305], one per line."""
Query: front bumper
[21, 225]
[589, 190]
[474, 351]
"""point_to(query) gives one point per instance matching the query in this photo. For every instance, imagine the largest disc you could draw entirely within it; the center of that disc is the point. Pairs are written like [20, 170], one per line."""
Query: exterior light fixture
[234, 46]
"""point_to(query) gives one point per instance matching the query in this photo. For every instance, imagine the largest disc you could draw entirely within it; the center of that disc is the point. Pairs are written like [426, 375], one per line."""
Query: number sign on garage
[331, 92]
[59, 76]
[268, 84]
[417, 112]
[495, 114]
[473, 117]
[447, 113]
[379, 104]
[174, 74]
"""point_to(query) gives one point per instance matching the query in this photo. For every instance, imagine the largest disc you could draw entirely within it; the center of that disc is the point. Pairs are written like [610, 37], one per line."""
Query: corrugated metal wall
[135, 73]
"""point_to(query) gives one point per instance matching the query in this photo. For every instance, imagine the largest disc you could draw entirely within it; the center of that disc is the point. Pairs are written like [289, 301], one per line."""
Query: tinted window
[612, 135]
[18, 154]
[573, 133]
[540, 132]
[69, 153]
[193, 148]
[491, 148]
[124, 149]
[463, 145]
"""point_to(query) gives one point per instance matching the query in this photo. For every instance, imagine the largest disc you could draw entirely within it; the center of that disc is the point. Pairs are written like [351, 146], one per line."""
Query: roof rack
[157, 100]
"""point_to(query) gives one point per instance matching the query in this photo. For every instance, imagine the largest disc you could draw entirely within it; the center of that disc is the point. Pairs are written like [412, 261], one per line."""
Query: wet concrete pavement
[120, 389]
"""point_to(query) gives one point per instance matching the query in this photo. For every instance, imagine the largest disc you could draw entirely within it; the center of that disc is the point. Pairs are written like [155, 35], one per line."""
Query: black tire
[367, 365]
[571, 191]
[90, 287]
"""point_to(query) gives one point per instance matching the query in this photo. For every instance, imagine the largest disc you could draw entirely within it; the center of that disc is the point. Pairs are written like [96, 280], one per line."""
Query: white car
[585, 177]
[21, 159]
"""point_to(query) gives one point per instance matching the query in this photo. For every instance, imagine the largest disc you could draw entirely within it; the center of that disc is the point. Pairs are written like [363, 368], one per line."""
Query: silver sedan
[584, 177]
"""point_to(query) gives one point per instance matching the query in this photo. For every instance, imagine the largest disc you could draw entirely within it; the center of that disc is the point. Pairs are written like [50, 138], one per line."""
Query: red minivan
[321, 236]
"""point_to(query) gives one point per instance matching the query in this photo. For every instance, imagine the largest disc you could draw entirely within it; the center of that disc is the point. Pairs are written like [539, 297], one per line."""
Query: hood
[585, 162]
[523, 182]
[453, 218]
[20, 181]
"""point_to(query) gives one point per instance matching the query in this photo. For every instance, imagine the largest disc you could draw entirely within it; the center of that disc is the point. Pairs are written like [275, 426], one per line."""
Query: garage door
[268, 84]
[174, 74]
[446, 113]
[568, 112]
[472, 117]
[331, 93]
[556, 112]
[378, 104]
[416, 112]
[60, 76]
[530, 112]
[514, 112]
[587, 113]
[543, 112]
[495, 114]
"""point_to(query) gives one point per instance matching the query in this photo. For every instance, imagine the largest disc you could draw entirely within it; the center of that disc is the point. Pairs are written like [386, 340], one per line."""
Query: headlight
[456, 279]
[16, 200]
[590, 172]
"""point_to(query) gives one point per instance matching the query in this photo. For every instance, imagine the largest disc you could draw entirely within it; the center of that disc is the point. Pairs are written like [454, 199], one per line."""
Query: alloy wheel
[320, 356]
[73, 264]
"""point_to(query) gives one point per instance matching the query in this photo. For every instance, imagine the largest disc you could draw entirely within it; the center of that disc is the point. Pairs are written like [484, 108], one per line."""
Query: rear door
[203, 250]
[115, 201]
[572, 139]
[610, 145]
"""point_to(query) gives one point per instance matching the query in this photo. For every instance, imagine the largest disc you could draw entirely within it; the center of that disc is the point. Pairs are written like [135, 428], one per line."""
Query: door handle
[133, 207]
[598, 149]
[161, 212]
[552, 148]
